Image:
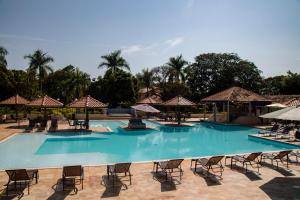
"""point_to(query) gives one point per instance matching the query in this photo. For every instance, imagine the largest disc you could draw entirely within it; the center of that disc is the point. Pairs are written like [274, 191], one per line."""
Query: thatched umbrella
[45, 102]
[178, 102]
[15, 101]
[87, 103]
[236, 94]
[145, 108]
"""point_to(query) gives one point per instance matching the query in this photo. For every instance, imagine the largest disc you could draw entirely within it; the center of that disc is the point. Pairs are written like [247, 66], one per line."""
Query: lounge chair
[21, 176]
[136, 124]
[73, 123]
[54, 124]
[296, 154]
[274, 128]
[278, 157]
[119, 168]
[252, 160]
[31, 125]
[169, 167]
[43, 124]
[73, 174]
[284, 133]
[210, 164]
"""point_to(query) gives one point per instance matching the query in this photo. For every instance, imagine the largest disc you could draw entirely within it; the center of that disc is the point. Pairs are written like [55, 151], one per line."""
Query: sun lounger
[252, 160]
[21, 176]
[53, 125]
[278, 157]
[119, 168]
[284, 133]
[169, 167]
[274, 128]
[31, 125]
[72, 175]
[211, 163]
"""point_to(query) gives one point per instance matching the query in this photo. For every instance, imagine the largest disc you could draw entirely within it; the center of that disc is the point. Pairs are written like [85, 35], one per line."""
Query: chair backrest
[214, 160]
[281, 154]
[17, 174]
[75, 170]
[54, 122]
[275, 127]
[122, 167]
[253, 156]
[174, 163]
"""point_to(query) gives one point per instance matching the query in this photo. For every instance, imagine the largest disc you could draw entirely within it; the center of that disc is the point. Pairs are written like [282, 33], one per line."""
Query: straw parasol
[145, 108]
[236, 94]
[178, 102]
[87, 102]
[16, 100]
[45, 102]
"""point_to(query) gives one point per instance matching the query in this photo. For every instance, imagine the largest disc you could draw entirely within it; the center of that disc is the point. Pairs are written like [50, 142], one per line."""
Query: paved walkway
[272, 183]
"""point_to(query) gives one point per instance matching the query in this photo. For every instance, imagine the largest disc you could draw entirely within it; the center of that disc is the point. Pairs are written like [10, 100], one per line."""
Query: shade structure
[236, 94]
[45, 102]
[145, 108]
[292, 102]
[179, 101]
[15, 100]
[276, 105]
[291, 115]
[277, 113]
[87, 102]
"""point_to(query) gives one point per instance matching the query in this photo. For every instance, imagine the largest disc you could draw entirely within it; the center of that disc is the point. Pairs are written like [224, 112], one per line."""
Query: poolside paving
[271, 184]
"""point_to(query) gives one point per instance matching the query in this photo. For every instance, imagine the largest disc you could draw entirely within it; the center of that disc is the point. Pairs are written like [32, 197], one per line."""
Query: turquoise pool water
[164, 142]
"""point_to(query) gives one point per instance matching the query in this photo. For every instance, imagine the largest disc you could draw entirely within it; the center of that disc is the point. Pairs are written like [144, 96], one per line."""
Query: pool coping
[269, 139]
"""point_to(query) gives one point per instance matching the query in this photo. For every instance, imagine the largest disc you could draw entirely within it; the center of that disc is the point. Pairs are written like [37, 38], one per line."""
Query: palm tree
[81, 82]
[39, 61]
[176, 66]
[147, 79]
[114, 61]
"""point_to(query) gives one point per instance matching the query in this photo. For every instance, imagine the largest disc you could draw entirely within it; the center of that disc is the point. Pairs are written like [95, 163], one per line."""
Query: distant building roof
[236, 94]
[154, 99]
[87, 102]
[292, 102]
[15, 100]
[289, 100]
[45, 102]
[179, 101]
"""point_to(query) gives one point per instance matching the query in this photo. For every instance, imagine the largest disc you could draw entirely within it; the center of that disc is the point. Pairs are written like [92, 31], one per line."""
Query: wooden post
[87, 118]
[228, 115]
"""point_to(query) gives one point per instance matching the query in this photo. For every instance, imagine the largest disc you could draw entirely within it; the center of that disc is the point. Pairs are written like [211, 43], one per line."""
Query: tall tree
[146, 79]
[39, 64]
[114, 61]
[3, 53]
[176, 69]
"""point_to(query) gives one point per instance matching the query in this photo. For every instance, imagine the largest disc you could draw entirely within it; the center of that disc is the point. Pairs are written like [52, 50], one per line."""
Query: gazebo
[178, 102]
[16, 100]
[237, 95]
[45, 102]
[87, 102]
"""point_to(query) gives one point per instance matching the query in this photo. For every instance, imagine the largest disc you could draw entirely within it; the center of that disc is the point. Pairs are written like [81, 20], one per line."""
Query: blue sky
[78, 32]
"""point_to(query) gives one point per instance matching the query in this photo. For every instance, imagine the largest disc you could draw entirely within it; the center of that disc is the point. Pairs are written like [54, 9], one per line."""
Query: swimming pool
[163, 142]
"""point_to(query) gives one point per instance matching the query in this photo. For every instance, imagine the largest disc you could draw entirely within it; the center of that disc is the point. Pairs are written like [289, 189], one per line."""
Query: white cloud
[132, 49]
[175, 41]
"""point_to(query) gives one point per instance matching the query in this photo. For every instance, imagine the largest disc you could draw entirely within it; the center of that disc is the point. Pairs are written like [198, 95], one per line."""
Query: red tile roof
[179, 101]
[236, 94]
[45, 102]
[87, 102]
[15, 100]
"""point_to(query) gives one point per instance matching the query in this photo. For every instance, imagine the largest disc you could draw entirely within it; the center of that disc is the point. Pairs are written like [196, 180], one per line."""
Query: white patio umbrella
[292, 115]
[276, 105]
[277, 113]
[145, 108]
